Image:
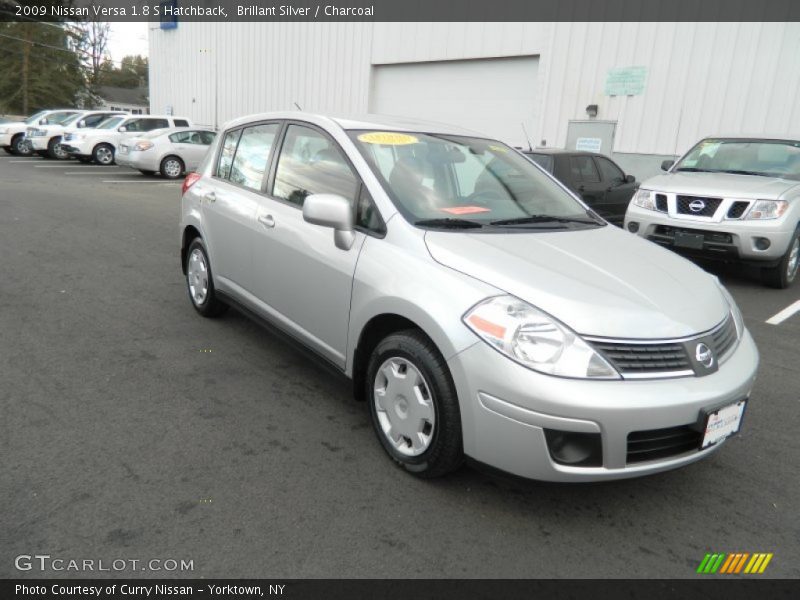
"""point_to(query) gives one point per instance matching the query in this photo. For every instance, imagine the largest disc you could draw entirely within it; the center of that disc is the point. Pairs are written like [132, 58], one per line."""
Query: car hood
[603, 282]
[725, 185]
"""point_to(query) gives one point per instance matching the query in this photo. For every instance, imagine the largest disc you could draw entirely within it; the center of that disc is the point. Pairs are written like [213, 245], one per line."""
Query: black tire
[785, 272]
[148, 173]
[55, 151]
[210, 306]
[103, 154]
[172, 167]
[20, 147]
[445, 452]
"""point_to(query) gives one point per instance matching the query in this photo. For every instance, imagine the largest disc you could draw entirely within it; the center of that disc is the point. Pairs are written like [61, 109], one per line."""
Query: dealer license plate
[689, 240]
[722, 423]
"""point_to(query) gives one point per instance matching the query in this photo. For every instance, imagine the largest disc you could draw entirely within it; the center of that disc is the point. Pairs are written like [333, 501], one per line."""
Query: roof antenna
[527, 139]
[297, 105]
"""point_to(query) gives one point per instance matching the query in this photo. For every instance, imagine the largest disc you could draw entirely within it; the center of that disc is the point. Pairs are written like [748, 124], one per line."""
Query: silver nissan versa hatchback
[479, 307]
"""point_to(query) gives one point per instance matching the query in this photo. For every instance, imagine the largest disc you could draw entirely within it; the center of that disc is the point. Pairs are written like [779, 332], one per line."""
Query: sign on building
[626, 81]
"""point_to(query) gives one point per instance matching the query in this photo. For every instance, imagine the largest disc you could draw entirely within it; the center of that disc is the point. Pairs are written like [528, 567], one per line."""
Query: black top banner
[170, 12]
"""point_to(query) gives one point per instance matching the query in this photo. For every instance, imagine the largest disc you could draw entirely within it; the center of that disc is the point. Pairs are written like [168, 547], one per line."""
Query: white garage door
[493, 96]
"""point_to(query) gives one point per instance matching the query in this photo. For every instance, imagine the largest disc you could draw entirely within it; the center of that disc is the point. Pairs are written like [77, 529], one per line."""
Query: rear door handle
[266, 221]
[211, 197]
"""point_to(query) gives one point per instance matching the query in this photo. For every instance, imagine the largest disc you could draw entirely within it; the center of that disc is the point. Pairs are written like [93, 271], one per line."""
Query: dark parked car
[594, 177]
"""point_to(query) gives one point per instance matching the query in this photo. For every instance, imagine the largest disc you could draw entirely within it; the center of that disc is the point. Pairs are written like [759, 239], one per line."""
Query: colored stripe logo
[734, 563]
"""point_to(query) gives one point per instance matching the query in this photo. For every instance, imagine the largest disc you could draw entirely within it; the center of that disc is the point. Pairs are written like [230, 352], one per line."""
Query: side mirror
[667, 164]
[81, 123]
[43, 121]
[630, 178]
[332, 210]
[123, 129]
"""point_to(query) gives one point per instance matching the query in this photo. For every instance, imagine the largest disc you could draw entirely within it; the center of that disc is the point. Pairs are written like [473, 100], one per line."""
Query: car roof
[364, 121]
[754, 136]
[554, 151]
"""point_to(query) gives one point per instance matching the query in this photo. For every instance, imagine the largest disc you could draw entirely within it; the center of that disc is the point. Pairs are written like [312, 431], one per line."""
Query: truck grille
[737, 209]
[655, 444]
[661, 202]
[709, 205]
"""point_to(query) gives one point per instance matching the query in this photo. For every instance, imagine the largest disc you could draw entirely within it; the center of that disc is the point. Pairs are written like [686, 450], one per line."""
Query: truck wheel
[55, 150]
[784, 274]
[20, 146]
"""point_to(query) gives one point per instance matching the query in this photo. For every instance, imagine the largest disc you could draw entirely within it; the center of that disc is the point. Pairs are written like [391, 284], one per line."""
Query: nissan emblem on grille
[697, 205]
[704, 355]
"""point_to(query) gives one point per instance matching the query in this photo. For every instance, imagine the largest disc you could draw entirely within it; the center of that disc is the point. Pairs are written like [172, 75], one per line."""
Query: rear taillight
[190, 180]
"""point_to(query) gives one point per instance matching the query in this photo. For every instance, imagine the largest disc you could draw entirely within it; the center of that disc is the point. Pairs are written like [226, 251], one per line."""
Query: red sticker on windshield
[466, 210]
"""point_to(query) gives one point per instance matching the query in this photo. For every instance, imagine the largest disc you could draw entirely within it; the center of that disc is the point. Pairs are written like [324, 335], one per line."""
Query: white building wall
[702, 78]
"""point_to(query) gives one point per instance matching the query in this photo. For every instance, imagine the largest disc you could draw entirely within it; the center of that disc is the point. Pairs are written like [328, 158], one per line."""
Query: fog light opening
[762, 243]
[574, 449]
[633, 227]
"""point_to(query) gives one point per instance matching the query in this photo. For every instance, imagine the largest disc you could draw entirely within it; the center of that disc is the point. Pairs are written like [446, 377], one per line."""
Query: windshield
[442, 180]
[35, 117]
[768, 158]
[72, 119]
[110, 123]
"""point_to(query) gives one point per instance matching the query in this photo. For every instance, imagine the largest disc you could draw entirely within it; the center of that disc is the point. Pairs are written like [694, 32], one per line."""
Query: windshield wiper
[449, 223]
[740, 172]
[694, 170]
[544, 219]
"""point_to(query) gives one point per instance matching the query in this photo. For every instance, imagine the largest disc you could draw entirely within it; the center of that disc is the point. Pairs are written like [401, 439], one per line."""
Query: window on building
[252, 154]
[312, 163]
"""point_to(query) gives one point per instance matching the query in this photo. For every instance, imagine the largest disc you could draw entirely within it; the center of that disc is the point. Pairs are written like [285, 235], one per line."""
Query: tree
[131, 73]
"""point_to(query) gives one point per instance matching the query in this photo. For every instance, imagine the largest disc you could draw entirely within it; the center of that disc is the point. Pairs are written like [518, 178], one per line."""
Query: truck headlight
[644, 199]
[767, 209]
[535, 340]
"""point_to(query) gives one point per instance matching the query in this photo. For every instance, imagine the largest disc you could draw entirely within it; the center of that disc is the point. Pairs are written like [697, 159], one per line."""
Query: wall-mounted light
[591, 110]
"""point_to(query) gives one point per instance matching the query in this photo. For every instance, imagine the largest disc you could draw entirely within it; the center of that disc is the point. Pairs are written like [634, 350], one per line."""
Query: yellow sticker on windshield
[386, 138]
[497, 149]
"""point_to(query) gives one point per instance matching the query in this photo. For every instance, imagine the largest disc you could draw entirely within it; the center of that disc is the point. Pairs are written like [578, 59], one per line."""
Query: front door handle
[266, 221]
[211, 197]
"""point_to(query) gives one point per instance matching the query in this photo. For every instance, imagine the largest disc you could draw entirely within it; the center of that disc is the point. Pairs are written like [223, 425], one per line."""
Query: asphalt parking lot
[132, 428]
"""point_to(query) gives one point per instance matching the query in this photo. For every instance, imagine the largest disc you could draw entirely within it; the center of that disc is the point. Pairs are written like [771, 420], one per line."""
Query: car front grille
[737, 209]
[661, 202]
[664, 358]
[703, 207]
[655, 444]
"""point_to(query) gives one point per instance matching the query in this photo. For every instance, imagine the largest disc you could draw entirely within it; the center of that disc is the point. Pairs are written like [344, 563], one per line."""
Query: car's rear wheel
[55, 150]
[414, 405]
[172, 167]
[103, 154]
[785, 272]
[200, 283]
[20, 146]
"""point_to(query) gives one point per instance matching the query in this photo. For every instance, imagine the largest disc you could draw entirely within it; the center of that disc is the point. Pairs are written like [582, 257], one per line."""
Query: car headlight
[767, 209]
[535, 340]
[644, 199]
[142, 146]
[738, 319]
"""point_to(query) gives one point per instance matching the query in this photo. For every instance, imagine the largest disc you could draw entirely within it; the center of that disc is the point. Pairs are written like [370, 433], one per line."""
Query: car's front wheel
[103, 154]
[56, 150]
[785, 272]
[20, 146]
[200, 283]
[172, 167]
[414, 405]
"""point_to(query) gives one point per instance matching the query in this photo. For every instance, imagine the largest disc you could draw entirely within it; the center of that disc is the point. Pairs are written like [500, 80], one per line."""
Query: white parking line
[142, 181]
[787, 312]
[73, 167]
[24, 160]
[96, 173]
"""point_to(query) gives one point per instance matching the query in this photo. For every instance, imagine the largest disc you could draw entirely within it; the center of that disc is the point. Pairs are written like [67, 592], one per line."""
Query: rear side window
[227, 152]
[93, 120]
[543, 160]
[312, 163]
[182, 137]
[181, 123]
[252, 154]
[146, 124]
[583, 169]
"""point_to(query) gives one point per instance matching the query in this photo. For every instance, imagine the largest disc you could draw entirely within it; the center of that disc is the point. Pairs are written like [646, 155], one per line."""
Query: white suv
[730, 198]
[12, 135]
[100, 144]
[45, 140]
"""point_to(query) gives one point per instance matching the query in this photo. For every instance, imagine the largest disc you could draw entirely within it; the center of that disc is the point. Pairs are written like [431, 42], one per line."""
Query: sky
[127, 38]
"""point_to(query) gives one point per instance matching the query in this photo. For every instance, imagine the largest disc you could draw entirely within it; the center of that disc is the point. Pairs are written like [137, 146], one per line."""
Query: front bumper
[733, 240]
[506, 408]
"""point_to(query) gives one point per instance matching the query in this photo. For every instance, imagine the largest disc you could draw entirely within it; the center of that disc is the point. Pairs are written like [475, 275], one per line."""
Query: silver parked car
[480, 308]
[728, 198]
[170, 152]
